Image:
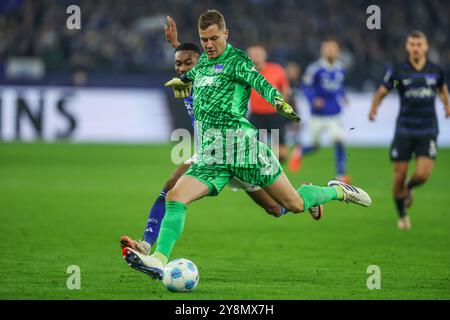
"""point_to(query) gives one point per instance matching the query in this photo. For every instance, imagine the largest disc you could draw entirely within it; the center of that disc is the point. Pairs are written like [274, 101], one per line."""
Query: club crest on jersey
[218, 68]
[431, 80]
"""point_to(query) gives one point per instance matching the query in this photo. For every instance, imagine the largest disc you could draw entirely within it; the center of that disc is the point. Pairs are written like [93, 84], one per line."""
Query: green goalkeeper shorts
[216, 176]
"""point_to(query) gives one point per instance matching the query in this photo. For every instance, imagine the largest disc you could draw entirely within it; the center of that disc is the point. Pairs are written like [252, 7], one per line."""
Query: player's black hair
[188, 46]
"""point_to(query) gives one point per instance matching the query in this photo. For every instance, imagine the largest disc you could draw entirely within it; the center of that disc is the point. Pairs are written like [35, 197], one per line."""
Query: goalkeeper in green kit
[228, 145]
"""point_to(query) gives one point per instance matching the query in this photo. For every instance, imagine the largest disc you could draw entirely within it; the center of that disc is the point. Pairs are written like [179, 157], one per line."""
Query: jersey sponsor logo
[206, 81]
[420, 93]
[328, 82]
[407, 82]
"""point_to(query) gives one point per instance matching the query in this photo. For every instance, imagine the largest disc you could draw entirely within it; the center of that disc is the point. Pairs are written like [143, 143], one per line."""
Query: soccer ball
[180, 275]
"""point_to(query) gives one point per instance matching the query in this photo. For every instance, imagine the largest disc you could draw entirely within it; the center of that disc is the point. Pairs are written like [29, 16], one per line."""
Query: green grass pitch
[64, 204]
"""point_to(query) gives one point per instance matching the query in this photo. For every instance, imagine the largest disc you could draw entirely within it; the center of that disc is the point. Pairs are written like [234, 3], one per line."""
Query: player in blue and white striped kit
[323, 85]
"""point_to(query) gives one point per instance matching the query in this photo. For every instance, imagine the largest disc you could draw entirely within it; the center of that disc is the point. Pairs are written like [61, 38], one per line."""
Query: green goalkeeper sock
[313, 196]
[171, 228]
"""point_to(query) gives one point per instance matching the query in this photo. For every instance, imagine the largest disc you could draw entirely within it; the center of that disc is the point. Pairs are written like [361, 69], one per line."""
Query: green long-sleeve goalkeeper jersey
[222, 89]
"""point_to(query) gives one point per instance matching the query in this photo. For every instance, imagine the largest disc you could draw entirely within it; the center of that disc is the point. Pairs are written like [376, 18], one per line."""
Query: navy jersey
[417, 90]
[322, 80]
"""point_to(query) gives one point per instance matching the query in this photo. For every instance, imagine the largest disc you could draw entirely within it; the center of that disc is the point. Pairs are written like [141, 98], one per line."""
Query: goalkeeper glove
[181, 89]
[286, 110]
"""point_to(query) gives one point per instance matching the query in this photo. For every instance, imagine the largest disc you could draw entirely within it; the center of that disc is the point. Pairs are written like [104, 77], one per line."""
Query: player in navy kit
[417, 81]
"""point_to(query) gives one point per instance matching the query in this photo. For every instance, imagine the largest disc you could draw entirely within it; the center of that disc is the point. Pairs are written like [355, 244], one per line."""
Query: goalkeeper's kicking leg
[136, 252]
[157, 212]
[189, 189]
[308, 196]
[264, 200]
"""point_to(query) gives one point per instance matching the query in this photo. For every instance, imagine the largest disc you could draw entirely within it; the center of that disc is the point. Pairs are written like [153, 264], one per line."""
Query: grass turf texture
[63, 205]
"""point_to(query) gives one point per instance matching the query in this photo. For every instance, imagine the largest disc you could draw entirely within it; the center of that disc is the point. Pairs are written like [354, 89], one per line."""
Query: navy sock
[155, 218]
[340, 159]
[400, 204]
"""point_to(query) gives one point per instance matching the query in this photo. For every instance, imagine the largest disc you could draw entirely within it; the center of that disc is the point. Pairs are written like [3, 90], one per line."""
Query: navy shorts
[403, 147]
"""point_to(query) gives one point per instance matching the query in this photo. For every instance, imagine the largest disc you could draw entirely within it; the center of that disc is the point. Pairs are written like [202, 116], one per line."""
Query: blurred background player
[417, 81]
[323, 85]
[262, 114]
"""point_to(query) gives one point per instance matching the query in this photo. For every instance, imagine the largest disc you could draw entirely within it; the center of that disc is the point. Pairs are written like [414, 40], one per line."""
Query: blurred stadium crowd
[125, 36]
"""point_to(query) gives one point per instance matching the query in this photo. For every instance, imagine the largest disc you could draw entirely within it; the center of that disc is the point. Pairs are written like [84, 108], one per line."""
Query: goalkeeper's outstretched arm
[246, 71]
